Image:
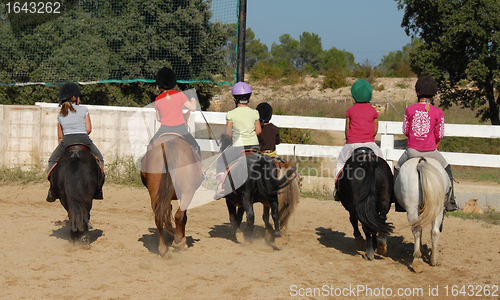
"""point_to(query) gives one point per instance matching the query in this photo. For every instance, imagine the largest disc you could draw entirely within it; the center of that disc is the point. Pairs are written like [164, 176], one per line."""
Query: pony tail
[366, 206]
[427, 105]
[432, 185]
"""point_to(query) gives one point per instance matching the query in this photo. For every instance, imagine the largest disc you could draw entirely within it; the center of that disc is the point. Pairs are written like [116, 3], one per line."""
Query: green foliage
[123, 171]
[491, 217]
[364, 70]
[295, 136]
[470, 145]
[335, 77]
[100, 40]
[16, 175]
[396, 63]
[461, 41]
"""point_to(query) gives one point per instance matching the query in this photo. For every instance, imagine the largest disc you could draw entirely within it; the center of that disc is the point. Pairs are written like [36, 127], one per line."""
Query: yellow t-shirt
[243, 119]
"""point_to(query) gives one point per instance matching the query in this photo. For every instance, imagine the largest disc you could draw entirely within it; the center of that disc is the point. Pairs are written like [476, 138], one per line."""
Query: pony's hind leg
[235, 217]
[360, 241]
[162, 247]
[435, 232]
[265, 218]
[278, 240]
[371, 243]
[180, 230]
[418, 263]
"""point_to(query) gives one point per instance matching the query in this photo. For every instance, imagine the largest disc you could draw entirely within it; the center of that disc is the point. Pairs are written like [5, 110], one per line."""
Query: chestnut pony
[171, 171]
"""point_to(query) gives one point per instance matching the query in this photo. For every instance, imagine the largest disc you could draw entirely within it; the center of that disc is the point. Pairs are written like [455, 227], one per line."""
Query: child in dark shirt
[270, 135]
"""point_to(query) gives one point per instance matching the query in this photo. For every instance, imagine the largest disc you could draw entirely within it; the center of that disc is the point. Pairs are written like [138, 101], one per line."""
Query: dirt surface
[37, 260]
[384, 89]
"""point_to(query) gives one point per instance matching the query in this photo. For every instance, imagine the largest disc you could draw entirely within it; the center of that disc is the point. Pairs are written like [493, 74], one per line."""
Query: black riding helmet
[426, 86]
[265, 111]
[166, 78]
[67, 91]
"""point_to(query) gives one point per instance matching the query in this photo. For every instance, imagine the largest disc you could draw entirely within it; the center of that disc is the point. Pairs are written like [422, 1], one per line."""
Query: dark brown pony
[171, 171]
[288, 198]
[366, 189]
[75, 179]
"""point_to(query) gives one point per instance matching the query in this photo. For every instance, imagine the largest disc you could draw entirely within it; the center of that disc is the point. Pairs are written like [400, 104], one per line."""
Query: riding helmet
[242, 92]
[67, 91]
[265, 111]
[426, 86]
[166, 78]
[361, 91]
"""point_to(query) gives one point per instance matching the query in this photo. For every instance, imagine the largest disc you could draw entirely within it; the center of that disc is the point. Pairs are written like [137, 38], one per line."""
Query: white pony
[421, 188]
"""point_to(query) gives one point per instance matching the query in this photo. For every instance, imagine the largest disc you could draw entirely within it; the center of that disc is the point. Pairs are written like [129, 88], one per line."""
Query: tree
[287, 52]
[461, 41]
[397, 63]
[310, 51]
[118, 39]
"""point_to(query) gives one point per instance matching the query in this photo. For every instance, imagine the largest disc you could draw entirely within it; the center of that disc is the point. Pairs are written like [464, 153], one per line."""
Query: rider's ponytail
[66, 107]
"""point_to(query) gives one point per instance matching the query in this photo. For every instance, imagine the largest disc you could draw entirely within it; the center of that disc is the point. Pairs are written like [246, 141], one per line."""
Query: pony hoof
[85, 242]
[240, 237]
[182, 245]
[381, 250]
[418, 266]
[368, 257]
[278, 243]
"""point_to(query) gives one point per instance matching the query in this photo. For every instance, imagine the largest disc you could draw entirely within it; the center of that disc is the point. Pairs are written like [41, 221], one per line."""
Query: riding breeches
[411, 153]
[179, 129]
[347, 151]
[74, 139]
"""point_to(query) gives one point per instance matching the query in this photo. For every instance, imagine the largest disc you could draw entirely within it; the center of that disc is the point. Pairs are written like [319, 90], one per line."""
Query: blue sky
[369, 29]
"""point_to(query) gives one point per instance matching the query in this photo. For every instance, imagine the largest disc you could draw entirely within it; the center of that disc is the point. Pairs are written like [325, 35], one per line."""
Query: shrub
[334, 78]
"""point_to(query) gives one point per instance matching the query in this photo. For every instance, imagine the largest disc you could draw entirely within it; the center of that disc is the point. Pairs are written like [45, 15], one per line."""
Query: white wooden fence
[29, 134]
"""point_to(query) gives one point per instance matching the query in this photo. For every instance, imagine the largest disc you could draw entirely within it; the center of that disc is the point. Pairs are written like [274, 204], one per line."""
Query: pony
[421, 188]
[365, 189]
[254, 178]
[75, 180]
[171, 171]
[288, 198]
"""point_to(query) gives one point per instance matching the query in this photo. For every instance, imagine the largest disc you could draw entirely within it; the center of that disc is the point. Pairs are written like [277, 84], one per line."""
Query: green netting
[95, 41]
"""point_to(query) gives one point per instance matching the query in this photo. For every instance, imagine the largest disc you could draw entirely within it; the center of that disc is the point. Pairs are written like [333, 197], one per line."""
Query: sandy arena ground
[37, 260]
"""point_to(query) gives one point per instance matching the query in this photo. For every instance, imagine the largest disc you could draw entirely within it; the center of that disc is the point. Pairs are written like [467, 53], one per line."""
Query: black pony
[75, 179]
[254, 178]
[365, 188]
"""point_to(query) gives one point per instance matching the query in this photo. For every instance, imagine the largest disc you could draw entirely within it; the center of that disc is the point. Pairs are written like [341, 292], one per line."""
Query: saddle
[78, 147]
[363, 150]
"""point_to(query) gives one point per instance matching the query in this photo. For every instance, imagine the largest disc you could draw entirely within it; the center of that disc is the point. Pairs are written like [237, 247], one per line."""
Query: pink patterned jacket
[423, 129]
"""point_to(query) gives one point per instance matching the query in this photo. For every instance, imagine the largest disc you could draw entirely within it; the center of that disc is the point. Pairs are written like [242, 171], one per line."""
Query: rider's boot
[397, 206]
[51, 196]
[220, 189]
[451, 204]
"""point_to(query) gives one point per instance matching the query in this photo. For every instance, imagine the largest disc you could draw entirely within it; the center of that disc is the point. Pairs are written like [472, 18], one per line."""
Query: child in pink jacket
[424, 126]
